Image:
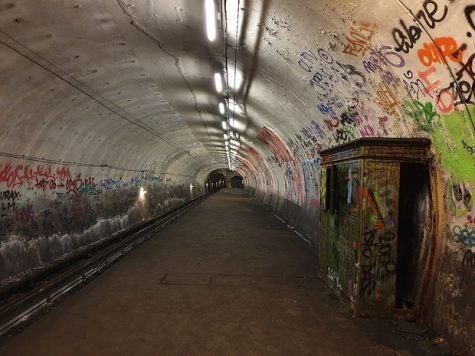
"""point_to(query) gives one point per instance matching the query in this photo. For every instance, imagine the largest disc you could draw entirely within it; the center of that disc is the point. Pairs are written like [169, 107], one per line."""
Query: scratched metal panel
[379, 197]
[340, 228]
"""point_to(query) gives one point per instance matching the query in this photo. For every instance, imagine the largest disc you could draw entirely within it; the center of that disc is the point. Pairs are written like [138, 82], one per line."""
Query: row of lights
[231, 138]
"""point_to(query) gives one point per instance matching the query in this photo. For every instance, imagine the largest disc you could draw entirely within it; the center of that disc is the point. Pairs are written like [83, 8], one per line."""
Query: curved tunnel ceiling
[130, 84]
[111, 117]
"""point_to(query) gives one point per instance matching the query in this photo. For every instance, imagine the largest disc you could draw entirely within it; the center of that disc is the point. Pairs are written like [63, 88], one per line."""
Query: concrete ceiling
[129, 83]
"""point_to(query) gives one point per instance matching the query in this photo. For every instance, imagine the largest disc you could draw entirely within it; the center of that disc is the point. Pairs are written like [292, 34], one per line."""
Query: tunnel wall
[389, 71]
[101, 92]
[51, 211]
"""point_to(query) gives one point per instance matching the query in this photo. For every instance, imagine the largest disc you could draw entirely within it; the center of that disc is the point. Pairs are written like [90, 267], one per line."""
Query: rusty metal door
[379, 199]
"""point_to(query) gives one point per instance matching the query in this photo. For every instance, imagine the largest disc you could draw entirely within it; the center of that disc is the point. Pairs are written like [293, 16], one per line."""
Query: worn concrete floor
[225, 279]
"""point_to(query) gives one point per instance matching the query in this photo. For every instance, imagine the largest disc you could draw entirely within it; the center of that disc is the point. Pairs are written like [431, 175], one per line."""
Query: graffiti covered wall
[407, 73]
[49, 211]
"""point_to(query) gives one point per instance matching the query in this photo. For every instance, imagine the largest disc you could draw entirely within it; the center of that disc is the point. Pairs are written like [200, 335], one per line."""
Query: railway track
[20, 302]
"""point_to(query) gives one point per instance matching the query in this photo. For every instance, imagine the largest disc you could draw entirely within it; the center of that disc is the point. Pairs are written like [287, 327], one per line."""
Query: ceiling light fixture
[218, 82]
[225, 125]
[210, 20]
[221, 108]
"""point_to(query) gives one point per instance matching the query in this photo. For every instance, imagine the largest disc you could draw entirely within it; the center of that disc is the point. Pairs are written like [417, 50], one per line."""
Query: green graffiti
[377, 199]
[373, 219]
[449, 133]
[422, 114]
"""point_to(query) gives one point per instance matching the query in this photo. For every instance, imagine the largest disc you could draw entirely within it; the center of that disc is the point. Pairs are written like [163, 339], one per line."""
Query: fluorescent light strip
[210, 20]
[218, 82]
[221, 108]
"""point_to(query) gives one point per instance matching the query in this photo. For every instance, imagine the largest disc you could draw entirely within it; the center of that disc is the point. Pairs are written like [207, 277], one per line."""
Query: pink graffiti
[292, 170]
[24, 214]
[445, 99]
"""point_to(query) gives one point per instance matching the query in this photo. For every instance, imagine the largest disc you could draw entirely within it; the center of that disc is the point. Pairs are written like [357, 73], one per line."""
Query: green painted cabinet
[359, 217]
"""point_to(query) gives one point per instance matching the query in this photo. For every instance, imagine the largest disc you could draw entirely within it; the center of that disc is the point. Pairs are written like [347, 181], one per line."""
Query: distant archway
[215, 181]
[237, 182]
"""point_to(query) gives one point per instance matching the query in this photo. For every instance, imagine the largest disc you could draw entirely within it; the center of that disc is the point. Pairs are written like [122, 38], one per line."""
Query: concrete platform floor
[226, 279]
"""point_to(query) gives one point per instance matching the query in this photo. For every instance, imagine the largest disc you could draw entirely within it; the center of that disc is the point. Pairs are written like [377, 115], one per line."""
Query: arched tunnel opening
[349, 126]
[237, 182]
[215, 181]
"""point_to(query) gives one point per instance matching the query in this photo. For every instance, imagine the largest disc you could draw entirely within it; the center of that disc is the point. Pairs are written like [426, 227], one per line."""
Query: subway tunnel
[315, 149]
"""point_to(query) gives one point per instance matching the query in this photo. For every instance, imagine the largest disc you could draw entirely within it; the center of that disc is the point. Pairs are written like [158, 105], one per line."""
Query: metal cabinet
[359, 220]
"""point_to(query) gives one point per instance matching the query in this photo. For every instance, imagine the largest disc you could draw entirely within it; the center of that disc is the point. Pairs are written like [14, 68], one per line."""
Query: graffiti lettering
[386, 99]
[88, 187]
[439, 51]
[309, 59]
[8, 206]
[468, 15]
[422, 114]
[7, 225]
[468, 259]
[344, 134]
[334, 279]
[24, 214]
[378, 264]
[405, 37]
[460, 88]
[382, 59]
[10, 195]
[414, 87]
[465, 236]
[306, 60]
[326, 110]
[444, 105]
[359, 40]
[470, 149]
[16, 176]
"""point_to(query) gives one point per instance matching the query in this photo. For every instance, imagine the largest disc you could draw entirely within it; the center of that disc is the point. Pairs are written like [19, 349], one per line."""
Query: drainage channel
[46, 291]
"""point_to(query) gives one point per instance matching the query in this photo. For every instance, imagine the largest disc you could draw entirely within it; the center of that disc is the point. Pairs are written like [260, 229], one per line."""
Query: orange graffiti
[386, 99]
[359, 40]
[366, 196]
[439, 51]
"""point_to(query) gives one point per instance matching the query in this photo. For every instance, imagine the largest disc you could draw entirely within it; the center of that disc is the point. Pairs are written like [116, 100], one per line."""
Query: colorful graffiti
[285, 159]
[465, 236]
[423, 114]
[358, 41]
[311, 175]
[439, 51]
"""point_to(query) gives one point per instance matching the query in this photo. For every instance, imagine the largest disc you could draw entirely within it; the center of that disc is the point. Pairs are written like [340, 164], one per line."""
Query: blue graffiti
[465, 236]
[311, 174]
